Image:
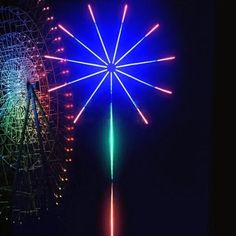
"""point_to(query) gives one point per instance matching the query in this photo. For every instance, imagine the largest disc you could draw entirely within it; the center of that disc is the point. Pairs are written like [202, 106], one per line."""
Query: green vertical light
[111, 132]
[111, 141]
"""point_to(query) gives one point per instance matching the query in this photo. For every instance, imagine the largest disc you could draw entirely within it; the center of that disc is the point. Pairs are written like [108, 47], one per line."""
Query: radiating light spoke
[131, 99]
[75, 81]
[146, 62]
[120, 31]
[98, 31]
[145, 83]
[166, 59]
[111, 135]
[90, 98]
[74, 61]
[81, 43]
[131, 49]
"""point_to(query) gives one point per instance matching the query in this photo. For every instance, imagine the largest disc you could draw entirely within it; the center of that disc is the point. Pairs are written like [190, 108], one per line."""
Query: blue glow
[112, 68]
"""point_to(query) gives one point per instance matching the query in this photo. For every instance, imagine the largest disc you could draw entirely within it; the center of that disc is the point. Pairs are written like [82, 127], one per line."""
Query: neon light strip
[112, 210]
[166, 59]
[111, 141]
[131, 49]
[131, 99]
[99, 34]
[111, 135]
[153, 29]
[75, 81]
[74, 61]
[90, 98]
[121, 27]
[146, 62]
[143, 82]
[124, 14]
[81, 43]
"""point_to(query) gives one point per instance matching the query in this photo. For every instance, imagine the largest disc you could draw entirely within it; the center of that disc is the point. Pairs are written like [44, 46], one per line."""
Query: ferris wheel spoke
[75, 81]
[74, 61]
[81, 43]
[131, 99]
[140, 41]
[98, 32]
[145, 83]
[90, 98]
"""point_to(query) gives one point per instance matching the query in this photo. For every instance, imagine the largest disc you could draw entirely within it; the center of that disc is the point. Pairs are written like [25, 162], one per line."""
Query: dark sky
[162, 174]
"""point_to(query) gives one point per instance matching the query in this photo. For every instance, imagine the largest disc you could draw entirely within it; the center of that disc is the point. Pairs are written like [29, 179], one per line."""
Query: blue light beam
[99, 34]
[75, 81]
[145, 83]
[90, 98]
[146, 62]
[131, 99]
[120, 31]
[131, 49]
[81, 43]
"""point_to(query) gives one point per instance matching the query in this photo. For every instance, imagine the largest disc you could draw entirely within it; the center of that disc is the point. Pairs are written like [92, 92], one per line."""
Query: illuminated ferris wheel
[36, 127]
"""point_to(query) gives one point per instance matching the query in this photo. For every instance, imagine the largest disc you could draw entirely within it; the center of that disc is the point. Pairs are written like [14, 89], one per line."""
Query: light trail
[143, 82]
[131, 99]
[81, 43]
[111, 133]
[120, 31]
[131, 49]
[146, 62]
[90, 98]
[75, 81]
[74, 61]
[98, 31]
[112, 211]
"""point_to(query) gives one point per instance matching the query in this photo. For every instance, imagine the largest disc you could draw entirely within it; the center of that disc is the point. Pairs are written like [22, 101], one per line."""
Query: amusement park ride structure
[36, 127]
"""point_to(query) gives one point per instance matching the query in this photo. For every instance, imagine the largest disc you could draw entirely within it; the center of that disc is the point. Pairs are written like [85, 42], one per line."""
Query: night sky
[162, 172]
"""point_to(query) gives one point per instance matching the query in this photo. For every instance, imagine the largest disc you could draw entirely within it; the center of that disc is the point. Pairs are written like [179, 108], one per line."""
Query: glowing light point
[164, 90]
[91, 13]
[153, 29]
[58, 87]
[78, 116]
[66, 31]
[124, 14]
[166, 59]
[142, 115]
